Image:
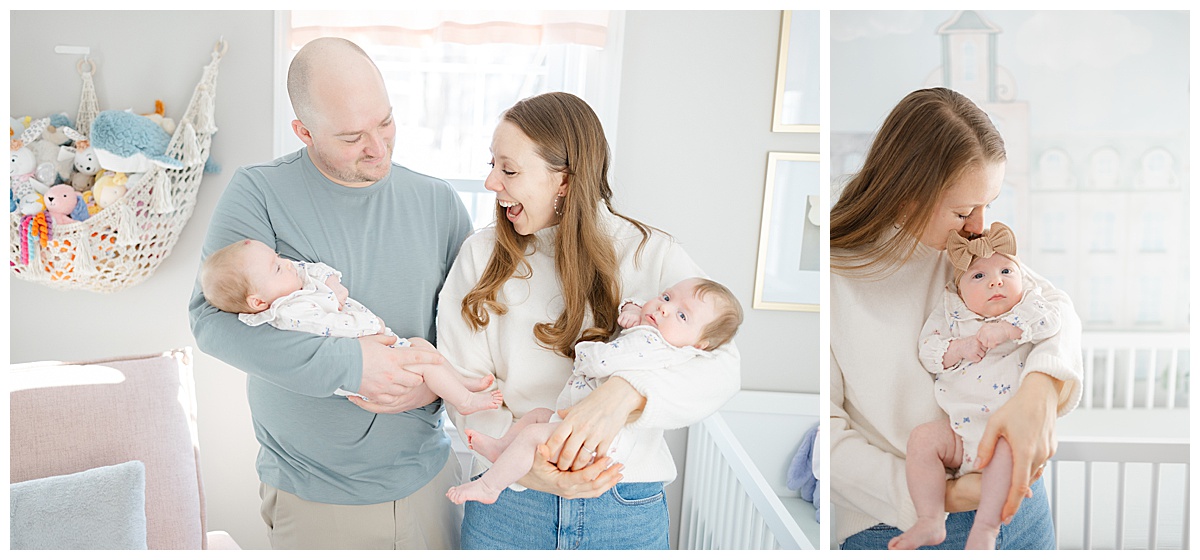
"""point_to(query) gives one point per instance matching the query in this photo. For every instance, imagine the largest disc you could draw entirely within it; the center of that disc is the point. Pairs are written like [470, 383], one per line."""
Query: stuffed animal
[16, 126]
[84, 161]
[45, 146]
[160, 118]
[47, 152]
[54, 133]
[130, 143]
[109, 187]
[27, 189]
[64, 205]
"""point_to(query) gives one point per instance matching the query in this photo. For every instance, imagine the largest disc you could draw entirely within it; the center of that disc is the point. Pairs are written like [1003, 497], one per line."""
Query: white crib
[1120, 478]
[735, 494]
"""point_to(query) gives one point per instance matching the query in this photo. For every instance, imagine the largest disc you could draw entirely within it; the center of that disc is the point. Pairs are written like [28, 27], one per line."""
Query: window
[1052, 230]
[1154, 239]
[1104, 225]
[1104, 173]
[970, 62]
[1157, 170]
[1054, 171]
[1150, 302]
[450, 74]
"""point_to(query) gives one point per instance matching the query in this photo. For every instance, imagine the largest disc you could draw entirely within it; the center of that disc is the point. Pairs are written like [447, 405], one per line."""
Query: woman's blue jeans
[1032, 528]
[630, 516]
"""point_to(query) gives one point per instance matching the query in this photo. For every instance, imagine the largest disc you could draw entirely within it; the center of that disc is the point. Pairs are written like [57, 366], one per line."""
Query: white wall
[697, 90]
[695, 120]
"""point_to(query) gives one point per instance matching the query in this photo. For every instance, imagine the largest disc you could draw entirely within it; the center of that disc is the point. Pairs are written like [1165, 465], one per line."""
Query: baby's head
[246, 277]
[694, 312]
[986, 271]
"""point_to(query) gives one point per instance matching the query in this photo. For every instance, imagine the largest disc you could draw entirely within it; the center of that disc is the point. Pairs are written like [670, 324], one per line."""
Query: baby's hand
[630, 315]
[339, 291]
[421, 343]
[969, 349]
[991, 335]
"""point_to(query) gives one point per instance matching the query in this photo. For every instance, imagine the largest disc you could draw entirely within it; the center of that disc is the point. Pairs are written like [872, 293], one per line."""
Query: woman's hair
[570, 139]
[729, 314]
[927, 142]
[223, 280]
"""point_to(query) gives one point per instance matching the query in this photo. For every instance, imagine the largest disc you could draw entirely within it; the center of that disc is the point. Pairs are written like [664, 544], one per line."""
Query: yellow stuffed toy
[109, 187]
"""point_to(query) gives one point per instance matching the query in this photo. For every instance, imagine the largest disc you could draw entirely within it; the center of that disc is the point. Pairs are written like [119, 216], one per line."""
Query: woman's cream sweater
[532, 376]
[879, 391]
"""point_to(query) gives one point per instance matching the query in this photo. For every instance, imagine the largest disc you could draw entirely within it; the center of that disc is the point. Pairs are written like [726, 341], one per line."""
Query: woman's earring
[557, 211]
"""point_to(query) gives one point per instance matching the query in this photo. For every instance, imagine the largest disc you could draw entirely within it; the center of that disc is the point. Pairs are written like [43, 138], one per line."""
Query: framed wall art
[798, 75]
[787, 276]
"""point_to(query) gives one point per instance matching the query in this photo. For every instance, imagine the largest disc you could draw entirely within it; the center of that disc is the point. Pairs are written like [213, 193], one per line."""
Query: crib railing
[724, 497]
[1107, 493]
[1135, 369]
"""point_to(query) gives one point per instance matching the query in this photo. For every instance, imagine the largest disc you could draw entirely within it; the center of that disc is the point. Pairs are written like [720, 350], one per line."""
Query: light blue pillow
[98, 509]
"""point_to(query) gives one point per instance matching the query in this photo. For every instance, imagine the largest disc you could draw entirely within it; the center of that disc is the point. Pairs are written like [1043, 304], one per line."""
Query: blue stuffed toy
[130, 143]
[801, 474]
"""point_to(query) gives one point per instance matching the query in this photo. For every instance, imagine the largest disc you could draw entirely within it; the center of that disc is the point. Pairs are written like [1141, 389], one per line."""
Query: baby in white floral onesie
[975, 345]
[248, 278]
[685, 322]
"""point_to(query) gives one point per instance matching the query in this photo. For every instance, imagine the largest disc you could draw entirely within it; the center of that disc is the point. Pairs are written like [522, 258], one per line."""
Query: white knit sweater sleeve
[464, 347]
[866, 478]
[682, 395]
[1060, 356]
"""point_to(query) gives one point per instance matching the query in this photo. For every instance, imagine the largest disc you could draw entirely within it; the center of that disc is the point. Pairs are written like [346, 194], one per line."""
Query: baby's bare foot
[476, 384]
[476, 491]
[485, 445]
[480, 401]
[928, 531]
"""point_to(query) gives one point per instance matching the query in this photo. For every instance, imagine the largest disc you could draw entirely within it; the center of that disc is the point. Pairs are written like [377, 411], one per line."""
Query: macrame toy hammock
[123, 243]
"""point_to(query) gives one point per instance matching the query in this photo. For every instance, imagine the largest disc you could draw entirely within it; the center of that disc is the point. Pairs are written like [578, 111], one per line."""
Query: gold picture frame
[798, 74]
[787, 276]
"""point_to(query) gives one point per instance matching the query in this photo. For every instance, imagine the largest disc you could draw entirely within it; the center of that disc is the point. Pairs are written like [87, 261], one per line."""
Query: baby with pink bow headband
[975, 345]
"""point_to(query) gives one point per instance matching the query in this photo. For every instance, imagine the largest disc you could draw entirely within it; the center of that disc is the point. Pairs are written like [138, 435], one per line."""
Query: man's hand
[386, 382]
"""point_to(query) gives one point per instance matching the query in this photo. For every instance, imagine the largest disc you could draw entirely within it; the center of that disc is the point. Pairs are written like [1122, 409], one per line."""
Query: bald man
[334, 475]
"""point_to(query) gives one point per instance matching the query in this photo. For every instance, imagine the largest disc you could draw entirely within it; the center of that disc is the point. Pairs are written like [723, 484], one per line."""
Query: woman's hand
[962, 493]
[589, 427]
[1027, 422]
[589, 482]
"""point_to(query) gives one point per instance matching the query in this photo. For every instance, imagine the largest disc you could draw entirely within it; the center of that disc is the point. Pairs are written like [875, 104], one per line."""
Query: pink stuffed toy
[64, 205]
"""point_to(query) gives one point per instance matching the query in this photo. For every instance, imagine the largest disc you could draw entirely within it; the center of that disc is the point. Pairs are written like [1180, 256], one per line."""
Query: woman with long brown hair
[933, 168]
[550, 273]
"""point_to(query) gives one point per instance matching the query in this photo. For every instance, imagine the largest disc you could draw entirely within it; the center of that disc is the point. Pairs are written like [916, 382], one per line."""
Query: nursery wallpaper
[1094, 110]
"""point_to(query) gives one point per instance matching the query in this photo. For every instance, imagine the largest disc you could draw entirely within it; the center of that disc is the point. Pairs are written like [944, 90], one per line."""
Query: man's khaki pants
[425, 520]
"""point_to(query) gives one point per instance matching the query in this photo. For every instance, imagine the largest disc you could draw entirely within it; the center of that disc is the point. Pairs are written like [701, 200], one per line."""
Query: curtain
[422, 28]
